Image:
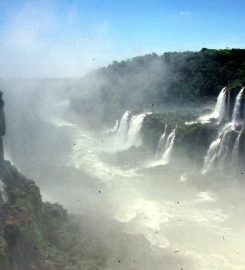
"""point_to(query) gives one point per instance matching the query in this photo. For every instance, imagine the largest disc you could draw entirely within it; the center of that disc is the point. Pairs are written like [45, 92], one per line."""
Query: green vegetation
[180, 74]
[36, 235]
[150, 80]
[154, 124]
[192, 141]
[4, 256]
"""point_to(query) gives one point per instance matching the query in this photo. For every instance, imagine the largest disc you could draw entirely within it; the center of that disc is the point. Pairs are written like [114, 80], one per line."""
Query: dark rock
[2, 126]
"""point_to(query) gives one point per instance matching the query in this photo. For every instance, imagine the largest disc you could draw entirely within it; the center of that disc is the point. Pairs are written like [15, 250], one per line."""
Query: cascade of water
[3, 193]
[236, 116]
[122, 131]
[161, 142]
[219, 148]
[223, 150]
[220, 109]
[134, 129]
[210, 158]
[168, 147]
[235, 151]
[228, 103]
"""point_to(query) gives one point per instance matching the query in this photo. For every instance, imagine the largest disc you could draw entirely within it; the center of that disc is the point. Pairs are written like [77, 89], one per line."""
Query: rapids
[187, 219]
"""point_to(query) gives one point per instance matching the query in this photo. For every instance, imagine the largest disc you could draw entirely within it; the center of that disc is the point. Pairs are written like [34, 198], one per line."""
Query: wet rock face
[2, 126]
[2, 118]
[33, 235]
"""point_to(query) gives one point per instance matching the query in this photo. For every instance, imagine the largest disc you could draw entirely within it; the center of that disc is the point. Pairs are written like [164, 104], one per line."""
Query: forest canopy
[154, 79]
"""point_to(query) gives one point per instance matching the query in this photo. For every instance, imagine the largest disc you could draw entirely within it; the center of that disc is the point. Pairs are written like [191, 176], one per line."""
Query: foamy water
[186, 220]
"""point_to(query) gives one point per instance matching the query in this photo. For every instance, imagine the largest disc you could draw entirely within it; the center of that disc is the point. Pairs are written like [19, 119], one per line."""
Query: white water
[235, 151]
[3, 193]
[161, 143]
[166, 148]
[169, 147]
[219, 111]
[129, 131]
[122, 133]
[171, 216]
[236, 116]
[223, 150]
[85, 155]
[210, 158]
[190, 226]
[134, 138]
[219, 149]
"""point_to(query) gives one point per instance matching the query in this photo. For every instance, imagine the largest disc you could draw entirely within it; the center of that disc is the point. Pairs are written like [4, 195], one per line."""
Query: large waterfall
[128, 133]
[219, 149]
[122, 132]
[219, 111]
[136, 123]
[237, 112]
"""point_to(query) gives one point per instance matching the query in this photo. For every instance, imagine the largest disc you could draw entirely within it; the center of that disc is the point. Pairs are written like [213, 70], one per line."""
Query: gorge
[146, 184]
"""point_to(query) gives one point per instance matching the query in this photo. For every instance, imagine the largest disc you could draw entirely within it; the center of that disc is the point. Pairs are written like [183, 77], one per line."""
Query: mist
[171, 214]
[39, 41]
[146, 154]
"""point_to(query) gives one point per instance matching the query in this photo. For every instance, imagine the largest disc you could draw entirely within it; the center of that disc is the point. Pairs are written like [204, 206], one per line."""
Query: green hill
[152, 79]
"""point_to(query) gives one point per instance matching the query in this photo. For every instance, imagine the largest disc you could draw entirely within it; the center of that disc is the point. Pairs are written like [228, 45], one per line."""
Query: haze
[124, 113]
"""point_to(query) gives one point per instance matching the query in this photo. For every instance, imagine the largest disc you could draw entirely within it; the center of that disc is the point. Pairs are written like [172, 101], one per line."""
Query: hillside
[151, 80]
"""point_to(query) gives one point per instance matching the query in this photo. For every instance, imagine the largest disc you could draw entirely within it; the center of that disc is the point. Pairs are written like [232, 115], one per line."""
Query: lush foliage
[171, 78]
[36, 235]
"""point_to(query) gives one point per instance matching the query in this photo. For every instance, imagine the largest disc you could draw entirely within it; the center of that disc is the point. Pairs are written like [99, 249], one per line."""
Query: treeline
[171, 77]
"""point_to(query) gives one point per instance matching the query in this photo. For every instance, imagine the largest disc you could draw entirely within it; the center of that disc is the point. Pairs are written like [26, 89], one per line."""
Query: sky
[61, 38]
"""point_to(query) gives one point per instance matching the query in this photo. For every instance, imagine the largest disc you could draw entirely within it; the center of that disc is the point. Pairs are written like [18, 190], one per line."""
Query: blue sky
[61, 38]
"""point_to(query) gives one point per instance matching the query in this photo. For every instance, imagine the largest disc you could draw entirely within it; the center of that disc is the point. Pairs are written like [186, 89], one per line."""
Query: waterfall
[134, 129]
[168, 147]
[219, 111]
[219, 148]
[3, 192]
[161, 142]
[220, 108]
[228, 102]
[235, 152]
[122, 132]
[236, 116]
[128, 132]
[210, 158]
[223, 150]
[164, 148]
